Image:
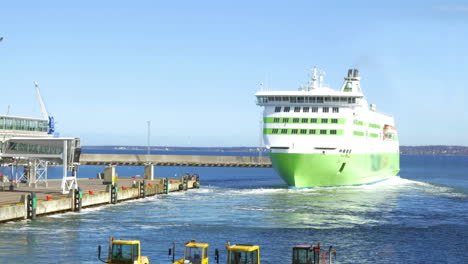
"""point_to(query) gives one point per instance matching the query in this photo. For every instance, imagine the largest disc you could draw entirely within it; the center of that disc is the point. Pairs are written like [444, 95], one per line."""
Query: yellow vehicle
[194, 253]
[124, 252]
[312, 254]
[243, 254]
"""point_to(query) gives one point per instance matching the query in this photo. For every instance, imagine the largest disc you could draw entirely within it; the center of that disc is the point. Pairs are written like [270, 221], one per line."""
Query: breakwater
[175, 160]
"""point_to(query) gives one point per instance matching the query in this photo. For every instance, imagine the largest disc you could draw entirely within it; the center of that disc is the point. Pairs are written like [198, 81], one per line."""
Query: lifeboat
[389, 131]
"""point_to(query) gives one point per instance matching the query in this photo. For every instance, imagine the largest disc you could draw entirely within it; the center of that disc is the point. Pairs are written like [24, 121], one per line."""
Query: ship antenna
[321, 75]
[314, 78]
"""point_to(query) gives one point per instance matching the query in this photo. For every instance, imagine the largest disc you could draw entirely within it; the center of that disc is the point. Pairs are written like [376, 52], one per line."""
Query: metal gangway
[35, 155]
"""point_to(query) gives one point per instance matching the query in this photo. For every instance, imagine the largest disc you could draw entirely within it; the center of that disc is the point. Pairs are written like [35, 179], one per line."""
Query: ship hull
[319, 170]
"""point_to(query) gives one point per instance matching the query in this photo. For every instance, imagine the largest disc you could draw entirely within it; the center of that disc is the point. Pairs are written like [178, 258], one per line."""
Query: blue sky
[192, 67]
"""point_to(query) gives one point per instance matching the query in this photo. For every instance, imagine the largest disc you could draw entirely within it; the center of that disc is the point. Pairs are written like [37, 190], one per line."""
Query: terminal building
[28, 147]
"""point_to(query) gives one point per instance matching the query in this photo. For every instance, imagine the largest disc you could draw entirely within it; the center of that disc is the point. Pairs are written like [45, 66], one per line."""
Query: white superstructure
[319, 120]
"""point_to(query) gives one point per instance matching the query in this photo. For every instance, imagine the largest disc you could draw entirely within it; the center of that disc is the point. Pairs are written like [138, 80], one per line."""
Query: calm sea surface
[419, 217]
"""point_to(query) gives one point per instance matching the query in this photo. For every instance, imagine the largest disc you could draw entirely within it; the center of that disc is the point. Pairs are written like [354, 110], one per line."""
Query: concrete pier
[49, 200]
[175, 160]
[149, 172]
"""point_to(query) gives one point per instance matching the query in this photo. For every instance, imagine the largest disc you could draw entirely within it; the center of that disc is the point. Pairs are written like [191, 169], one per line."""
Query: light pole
[149, 133]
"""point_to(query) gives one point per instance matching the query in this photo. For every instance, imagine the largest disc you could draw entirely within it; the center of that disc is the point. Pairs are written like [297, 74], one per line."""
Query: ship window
[305, 109]
[277, 98]
[285, 120]
[300, 99]
[8, 123]
[44, 126]
[275, 131]
[294, 131]
[278, 109]
[314, 109]
[319, 99]
[323, 131]
[324, 120]
[286, 109]
[336, 99]
[334, 121]
[325, 109]
[312, 99]
[276, 120]
[33, 125]
[304, 120]
[303, 131]
[297, 109]
[295, 120]
[333, 132]
[312, 131]
[285, 99]
[327, 99]
[292, 99]
[284, 131]
[313, 120]
[336, 110]
[271, 99]
[343, 99]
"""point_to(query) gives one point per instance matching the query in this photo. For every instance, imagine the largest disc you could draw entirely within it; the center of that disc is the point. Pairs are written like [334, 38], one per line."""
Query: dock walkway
[50, 200]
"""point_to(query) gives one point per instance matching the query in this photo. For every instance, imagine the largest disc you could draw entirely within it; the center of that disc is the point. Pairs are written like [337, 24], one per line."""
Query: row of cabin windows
[23, 124]
[33, 148]
[306, 109]
[305, 120]
[306, 99]
[304, 131]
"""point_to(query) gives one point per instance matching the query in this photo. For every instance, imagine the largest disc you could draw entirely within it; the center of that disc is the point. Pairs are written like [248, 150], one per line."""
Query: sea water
[419, 217]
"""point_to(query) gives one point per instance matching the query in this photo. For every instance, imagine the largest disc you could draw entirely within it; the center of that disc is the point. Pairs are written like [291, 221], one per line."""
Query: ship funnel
[356, 73]
[351, 83]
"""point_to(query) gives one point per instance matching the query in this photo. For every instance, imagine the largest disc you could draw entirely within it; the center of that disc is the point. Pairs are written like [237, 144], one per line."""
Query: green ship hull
[319, 170]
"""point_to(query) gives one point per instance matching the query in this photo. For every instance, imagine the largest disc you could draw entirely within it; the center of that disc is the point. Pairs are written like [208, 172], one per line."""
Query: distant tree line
[434, 150]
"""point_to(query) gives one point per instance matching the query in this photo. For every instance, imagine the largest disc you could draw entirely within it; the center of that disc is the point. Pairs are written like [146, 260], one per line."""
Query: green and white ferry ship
[318, 136]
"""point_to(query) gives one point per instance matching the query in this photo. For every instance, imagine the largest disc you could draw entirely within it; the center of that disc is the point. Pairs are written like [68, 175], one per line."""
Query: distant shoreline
[432, 150]
[435, 150]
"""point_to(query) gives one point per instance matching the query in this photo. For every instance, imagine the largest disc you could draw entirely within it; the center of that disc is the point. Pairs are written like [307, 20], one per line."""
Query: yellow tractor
[123, 252]
[312, 254]
[194, 253]
[243, 254]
